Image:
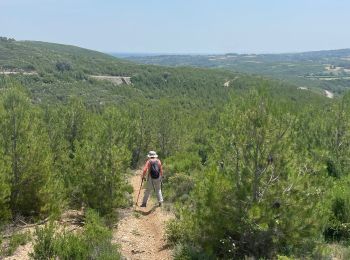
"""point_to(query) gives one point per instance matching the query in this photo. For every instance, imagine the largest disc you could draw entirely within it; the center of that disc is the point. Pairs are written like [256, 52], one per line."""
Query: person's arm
[145, 169]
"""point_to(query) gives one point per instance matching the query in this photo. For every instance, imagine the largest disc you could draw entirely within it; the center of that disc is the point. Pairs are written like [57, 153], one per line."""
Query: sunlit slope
[55, 72]
[329, 70]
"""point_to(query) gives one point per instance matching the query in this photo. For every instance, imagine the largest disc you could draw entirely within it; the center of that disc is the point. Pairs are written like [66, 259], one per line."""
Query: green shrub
[331, 251]
[338, 228]
[44, 243]
[179, 171]
[129, 188]
[179, 186]
[282, 257]
[98, 238]
[71, 246]
[94, 242]
[175, 232]
[187, 252]
[183, 162]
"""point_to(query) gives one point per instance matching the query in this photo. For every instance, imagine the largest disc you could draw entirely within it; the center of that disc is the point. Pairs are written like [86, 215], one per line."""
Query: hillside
[329, 70]
[46, 57]
[55, 72]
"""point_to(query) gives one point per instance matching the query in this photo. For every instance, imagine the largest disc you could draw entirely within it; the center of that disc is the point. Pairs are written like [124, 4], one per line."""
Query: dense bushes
[266, 191]
[58, 156]
[75, 155]
[26, 155]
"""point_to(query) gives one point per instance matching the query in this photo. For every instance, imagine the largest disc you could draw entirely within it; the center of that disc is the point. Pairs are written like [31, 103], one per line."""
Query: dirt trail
[329, 94]
[21, 253]
[17, 72]
[141, 232]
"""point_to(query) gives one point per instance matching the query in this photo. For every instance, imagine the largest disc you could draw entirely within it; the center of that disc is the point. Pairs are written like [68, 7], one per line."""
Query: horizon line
[215, 53]
[175, 53]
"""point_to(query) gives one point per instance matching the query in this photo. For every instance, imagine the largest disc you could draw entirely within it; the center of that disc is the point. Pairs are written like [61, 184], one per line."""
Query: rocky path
[141, 230]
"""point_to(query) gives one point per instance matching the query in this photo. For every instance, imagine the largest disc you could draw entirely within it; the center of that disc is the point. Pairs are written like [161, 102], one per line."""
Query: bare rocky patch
[117, 80]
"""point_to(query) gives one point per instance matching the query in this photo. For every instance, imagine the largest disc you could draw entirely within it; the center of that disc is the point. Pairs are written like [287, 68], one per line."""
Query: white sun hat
[152, 154]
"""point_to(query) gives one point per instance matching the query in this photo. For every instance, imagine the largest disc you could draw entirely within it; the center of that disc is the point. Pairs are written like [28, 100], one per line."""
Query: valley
[328, 70]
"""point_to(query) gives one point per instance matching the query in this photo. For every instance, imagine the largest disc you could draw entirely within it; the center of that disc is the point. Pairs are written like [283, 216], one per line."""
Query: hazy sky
[181, 26]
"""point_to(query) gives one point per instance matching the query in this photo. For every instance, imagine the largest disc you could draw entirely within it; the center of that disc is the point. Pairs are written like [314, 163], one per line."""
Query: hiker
[153, 170]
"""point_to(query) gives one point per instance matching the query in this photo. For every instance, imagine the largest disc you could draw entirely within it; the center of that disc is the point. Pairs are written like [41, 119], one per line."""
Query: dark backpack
[154, 169]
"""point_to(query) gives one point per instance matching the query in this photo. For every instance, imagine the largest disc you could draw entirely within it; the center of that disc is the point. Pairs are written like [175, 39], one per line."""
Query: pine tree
[26, 147]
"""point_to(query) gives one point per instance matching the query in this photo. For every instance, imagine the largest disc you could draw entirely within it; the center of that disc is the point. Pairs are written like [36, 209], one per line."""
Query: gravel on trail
[141, 232]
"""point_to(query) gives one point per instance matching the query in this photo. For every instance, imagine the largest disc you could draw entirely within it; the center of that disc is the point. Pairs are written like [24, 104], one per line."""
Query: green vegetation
[319, 69]
[256, 168]
[272, 184]
[54, 156]
[44, 57]
[59, 72]
[94, 242]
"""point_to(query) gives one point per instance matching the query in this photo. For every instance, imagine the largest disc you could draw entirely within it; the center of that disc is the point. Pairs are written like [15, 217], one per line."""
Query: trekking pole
[137, 201]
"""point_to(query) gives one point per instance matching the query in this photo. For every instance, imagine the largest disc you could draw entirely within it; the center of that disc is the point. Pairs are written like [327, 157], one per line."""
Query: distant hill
[47, 57]
[328, 70]
[54, 72]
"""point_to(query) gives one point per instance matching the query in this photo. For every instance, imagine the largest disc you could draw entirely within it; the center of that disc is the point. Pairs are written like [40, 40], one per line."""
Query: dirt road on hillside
[141, 231]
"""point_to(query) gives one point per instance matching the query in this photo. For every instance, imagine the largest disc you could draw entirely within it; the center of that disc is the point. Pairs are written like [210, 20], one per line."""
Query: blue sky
[180, 26]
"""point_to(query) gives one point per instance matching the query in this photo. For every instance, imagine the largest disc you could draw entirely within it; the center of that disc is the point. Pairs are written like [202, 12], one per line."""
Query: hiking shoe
[143, 205]
[160, 204]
